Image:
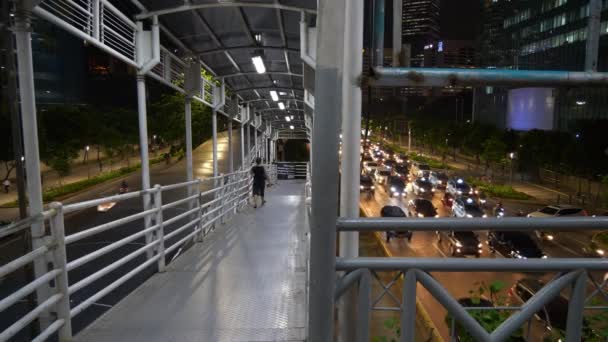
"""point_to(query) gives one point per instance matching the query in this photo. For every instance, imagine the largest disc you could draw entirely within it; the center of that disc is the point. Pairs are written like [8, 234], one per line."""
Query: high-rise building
[541, 35]
[420, 25]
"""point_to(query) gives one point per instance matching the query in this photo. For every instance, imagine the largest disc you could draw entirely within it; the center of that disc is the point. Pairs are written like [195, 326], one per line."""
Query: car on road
[466, 207]
[553, 315]
[366, 186]
[389, 163]
[460, 243]
[457, 187]
[370, 167]
[438, 179]
[381, 175]
[598, 246]
[378, 156]
[367, 158]
[422, 187]
[402, 158]
[517, 245]
[421, 207]
[419, 166]
[555, 211]
[401, 170]
[394, 211]
[395, 187]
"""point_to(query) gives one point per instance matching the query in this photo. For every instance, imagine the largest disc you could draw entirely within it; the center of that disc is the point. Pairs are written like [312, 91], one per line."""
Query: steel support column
[243, 153]
[593, 35]
[330, 28]
[255, 142]
[351, 145]
[29, 126]
[143, 149]
[230, 149]
[188, 117]
[397, 31]
[214, 133]
[248, 126]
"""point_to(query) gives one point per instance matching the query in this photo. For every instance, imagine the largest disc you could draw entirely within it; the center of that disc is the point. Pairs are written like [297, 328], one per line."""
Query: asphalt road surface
[424, 244]
[78, 221]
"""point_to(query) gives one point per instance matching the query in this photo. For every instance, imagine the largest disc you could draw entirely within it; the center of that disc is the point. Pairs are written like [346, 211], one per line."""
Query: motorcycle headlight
[458, 244]
[550, 237]
[393, 189]
[420, 215]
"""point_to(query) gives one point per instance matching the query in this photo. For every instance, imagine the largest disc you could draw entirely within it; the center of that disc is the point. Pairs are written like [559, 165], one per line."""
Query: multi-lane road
[424, 244]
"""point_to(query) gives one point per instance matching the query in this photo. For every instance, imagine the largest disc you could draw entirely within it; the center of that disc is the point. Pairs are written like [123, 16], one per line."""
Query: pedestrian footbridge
[245, 282]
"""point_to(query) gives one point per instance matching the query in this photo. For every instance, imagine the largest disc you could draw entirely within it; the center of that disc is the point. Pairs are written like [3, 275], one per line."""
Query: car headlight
[439, 182]
[393, 189]
[544, 257]
[433, 190]
[457, 250]
[479, 245]
[550, 237]
[459, 192]
[420, 215]
[484, 215]
[421, 190]
[436, 216]
[361, 187]
[469, 215]
[458, 244]
[373, 187]
[600, 251]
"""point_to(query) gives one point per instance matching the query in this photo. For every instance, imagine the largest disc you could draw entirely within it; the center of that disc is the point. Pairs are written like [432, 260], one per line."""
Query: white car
[555, 211]
[370, 167]
[381, 176]
[467, 207]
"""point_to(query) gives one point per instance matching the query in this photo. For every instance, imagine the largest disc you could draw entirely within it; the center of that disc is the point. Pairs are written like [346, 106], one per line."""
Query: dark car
[447, 200]
[514, 245]
[366, 185]
[422, 186]
[402, 158]
[438, 179]
[421, 207]
[395, 187]
[367, 157]
[458, 187]
[401, 170]
[389, 163]
[554, 314]
[394, 211]
[467, 207]
[460, 243]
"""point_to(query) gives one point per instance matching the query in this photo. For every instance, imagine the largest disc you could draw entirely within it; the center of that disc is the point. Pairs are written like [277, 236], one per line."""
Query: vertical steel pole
[397, 31]
[378, 32]
[243, 164]
[160, 230]
[574, 325]
[351, 145]
[214, 133]
[188, 117]
[593, 35]
[230, 149]
[255, 141]
[29, 126]
[408, 312]
[324, 204]
[248, 126]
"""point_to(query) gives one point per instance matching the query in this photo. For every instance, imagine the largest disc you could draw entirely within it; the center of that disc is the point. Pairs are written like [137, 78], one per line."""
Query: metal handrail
[231, 193]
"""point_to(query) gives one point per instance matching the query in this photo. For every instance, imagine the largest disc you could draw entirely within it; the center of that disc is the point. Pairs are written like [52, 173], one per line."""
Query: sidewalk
[80, 171]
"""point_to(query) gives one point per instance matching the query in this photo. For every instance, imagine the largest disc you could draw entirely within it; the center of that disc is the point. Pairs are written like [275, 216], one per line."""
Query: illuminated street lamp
[512, 156]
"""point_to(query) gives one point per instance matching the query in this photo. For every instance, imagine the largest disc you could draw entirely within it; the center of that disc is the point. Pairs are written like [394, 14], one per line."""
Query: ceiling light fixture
[291, 127]
[258, 63]
[281, 106]
[274, 95]
[287, 118]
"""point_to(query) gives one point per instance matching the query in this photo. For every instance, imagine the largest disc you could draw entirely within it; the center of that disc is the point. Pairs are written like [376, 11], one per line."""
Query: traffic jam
[396, 185]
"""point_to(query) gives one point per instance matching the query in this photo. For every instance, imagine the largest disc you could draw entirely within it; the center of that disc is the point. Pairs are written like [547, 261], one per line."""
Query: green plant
[498, 190]
[489, 319]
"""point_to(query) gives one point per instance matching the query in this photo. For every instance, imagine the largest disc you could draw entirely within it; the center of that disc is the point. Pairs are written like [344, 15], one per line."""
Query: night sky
[460, 19]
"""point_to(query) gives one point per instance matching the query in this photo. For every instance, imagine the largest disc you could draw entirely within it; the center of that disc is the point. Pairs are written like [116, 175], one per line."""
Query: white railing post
[160, 231]
[199, 203]
[61, 281]
[96, 18]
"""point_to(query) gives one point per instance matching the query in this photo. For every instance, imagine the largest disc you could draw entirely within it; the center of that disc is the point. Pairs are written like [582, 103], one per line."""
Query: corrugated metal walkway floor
[246, 282]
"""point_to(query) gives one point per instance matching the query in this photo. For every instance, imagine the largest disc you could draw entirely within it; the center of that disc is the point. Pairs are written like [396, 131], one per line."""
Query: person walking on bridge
[259, 181]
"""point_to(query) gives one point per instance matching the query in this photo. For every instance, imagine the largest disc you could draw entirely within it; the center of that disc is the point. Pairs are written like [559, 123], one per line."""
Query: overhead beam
[264, 99]
[247, 47]
[191, 7]
[254, 73]
[265, 88]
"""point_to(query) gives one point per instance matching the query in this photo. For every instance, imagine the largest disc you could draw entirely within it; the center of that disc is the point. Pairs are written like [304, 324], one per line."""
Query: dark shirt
[259, 174]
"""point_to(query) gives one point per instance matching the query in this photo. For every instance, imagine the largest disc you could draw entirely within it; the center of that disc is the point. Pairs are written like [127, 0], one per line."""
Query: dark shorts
[258, 189]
